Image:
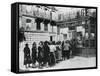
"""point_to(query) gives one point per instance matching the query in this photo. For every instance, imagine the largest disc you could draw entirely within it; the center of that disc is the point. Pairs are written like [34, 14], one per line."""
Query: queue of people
[47, 54]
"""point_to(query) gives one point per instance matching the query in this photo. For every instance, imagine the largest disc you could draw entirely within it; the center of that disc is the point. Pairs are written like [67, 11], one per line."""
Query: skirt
[52, 59]
[27, 60]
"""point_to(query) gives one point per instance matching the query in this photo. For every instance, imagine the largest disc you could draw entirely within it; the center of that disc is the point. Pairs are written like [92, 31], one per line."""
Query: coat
[40, 54]
[46, 53]
[34, 55]
[27, 58]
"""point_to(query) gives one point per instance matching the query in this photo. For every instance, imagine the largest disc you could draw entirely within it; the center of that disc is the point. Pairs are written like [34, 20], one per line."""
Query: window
[58, 29]
[51, 39]
[45, 27]
[28, 20]
[38, 26]
[65, 36]
[71, 27]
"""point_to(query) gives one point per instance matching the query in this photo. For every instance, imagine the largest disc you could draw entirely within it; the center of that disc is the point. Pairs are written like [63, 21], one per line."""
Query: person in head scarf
[40, 54]
[46, 53]
[66, 49]
[27, 58]
[34, 54]
[52, 54]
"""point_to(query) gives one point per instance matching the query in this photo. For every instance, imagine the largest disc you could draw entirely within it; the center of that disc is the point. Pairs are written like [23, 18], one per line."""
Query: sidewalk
[76, 62]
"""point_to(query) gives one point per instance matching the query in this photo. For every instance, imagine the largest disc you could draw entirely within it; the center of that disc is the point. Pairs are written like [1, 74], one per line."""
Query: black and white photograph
[53, 37]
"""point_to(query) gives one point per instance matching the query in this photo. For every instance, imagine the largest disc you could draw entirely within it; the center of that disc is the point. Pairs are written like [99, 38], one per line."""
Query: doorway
[51, 38]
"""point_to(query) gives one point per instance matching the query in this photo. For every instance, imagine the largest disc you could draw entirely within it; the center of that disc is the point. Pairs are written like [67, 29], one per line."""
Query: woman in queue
[27, 57]
[34, 55]
[52, 59]
[40, 54]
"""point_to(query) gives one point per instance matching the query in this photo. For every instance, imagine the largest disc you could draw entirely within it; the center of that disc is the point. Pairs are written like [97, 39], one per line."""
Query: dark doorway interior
[50, 38]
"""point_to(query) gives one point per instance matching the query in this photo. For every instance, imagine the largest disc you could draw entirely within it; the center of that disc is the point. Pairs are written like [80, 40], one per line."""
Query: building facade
[82, 27]
[72, 29]
[39, 23]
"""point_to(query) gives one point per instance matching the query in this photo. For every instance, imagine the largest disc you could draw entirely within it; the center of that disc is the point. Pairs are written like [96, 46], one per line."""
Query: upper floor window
[28, 20]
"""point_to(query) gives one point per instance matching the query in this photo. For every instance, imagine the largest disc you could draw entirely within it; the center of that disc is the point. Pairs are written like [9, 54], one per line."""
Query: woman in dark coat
[73, 47]
[62, 47]
[59, 52]
[27, 58]
[40, 54]
[34, 54]
[46, 53]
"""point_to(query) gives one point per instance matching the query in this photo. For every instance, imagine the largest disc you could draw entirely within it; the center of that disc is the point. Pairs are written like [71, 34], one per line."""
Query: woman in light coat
[52, 54]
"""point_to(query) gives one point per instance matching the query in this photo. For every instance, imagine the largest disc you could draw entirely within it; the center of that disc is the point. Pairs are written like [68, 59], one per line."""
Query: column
[33, 24]
[49, 27]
